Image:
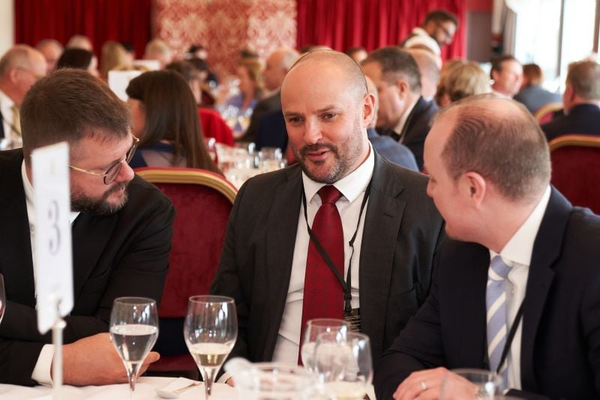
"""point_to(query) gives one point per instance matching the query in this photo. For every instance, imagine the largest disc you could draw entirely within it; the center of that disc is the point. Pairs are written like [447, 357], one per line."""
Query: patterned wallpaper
[225, 26]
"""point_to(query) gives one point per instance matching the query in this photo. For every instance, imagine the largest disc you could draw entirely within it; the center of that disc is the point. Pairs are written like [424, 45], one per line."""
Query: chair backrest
[546, 113]
[576, 169]
[203, 201]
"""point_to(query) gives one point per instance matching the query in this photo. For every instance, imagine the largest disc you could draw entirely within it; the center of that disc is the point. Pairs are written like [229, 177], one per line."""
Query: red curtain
[100, 20]
[341, 24]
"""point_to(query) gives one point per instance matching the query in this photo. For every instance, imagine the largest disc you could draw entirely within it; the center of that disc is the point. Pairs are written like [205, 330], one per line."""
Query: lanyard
[347, 284]
[509, 339]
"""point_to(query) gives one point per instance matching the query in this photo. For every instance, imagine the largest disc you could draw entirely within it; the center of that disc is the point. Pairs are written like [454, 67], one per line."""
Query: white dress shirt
[6, 107]
[400, 125]
[41, 372]
[353, 188]
[517, 255]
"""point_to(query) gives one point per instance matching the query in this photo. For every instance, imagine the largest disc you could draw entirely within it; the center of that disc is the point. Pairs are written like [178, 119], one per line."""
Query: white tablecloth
[145, 389]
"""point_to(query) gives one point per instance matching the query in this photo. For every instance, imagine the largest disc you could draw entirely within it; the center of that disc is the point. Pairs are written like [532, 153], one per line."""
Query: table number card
[53, 256]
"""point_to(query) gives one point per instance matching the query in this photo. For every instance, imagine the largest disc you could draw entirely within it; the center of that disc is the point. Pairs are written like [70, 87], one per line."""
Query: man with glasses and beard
[341, 208]
[121, 230]
[437, 31]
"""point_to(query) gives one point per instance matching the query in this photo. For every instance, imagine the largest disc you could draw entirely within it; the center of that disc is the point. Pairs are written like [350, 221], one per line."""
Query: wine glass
[314, 328]
[133, 331]
[210, 331]
[2, 298]
[343, 363]
[470, 383]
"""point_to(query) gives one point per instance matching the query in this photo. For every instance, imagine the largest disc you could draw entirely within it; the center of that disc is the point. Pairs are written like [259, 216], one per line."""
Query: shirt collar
[350, 186]
[400, 126]
[519, 248]
[6, 102]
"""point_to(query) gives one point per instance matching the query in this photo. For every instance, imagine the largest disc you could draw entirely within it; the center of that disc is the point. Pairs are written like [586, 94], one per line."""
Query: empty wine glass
[470, 383]
[314, 328]
[343, 363]
[133, 331]
[210, 331]
[2, 298]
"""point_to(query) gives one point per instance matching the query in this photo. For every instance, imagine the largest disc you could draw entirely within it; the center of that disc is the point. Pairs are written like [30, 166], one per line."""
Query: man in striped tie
[516, 287]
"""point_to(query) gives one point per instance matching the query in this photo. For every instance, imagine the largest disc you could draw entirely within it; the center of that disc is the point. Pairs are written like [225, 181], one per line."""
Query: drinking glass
[2, 298]
[471, 383]
[314, 328]
[343, 363]
[210, 331]
[133, 331]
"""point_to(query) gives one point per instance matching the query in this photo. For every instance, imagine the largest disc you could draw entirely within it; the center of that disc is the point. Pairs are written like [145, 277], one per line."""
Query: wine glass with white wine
[133, 331]
[210, 331]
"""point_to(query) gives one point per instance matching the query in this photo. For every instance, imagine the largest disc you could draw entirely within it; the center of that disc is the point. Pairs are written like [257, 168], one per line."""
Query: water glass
[314, 328]
[210, 331]
[471, 383]
[133, 331]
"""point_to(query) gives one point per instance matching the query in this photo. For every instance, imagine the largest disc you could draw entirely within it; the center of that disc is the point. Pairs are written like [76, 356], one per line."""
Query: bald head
[51, 50]
[20, 67]
[500, 140]
[429, 65]
[277, 66]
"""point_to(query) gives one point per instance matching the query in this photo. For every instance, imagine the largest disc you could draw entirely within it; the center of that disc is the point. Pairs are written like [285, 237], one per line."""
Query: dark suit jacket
[583, 119]
[560, 345]
[391, 150]
[400, 234]
[124, 254]
[264, 106]
[416, 128]
[271, 131]
[535, 97]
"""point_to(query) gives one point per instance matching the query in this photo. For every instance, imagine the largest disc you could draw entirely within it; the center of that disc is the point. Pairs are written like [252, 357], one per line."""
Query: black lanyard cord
[509, 340]
[347, 284]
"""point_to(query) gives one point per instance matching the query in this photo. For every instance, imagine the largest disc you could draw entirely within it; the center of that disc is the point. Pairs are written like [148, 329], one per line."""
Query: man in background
[516, 289]
[20, 68]
[121, 231]
[158, 50]
[51, 50]
[371, 217]
[429, 66]
[437, 31]
[403, 113]
[581, 101]
[507, 74]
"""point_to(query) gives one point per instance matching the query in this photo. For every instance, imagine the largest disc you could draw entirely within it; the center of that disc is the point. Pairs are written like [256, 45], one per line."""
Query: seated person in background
[277, 66]
[464, 80]
[532, 94]
[239, 107]
[437, 30]
[165, 118]
[387, 147]
[207, 99]
[276, 275]
[429, 65]
[79, 59]
[520, 271]
[448, 66]
[403, 113]
[581, 101]
[213, 125]
[357, 53]
[157, 49]
[507, 74]
[80, 42]
[51, 49]
[114, 56]
[122, 228]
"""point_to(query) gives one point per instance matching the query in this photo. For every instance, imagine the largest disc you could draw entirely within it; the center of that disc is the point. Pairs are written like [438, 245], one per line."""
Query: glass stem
[132, 372]
[208, 376]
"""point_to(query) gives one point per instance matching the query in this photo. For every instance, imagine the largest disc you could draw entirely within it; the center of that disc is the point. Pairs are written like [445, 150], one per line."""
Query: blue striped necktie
[495, 298]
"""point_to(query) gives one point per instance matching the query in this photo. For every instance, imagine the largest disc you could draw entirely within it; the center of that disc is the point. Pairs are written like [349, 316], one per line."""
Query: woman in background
[79, 59]
[463, 80]
[114, 56]
[165, 118]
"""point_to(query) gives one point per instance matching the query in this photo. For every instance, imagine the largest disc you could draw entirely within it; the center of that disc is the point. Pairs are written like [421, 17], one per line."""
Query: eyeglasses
[449, 35]
[113, 171]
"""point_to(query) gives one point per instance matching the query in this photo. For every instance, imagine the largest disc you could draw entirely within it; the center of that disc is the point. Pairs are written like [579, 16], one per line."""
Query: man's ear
[476, 186]
[403, 87]
[368, 109]
[13, 75]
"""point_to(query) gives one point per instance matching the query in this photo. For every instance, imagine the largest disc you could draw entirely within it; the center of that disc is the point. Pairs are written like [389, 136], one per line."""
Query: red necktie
[323, 293]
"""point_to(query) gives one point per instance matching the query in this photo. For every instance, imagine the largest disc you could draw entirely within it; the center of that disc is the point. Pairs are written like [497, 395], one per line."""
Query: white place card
[119, 80]
[53, 255]
[152, 65]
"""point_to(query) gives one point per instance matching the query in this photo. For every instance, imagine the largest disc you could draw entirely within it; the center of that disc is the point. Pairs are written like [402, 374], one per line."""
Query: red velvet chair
[546, 113]
[214, 126]
[203, 201]
[576, 169]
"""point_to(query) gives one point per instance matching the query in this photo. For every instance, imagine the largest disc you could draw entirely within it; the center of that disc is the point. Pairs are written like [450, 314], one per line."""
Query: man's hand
[94, 361]
[422, 385]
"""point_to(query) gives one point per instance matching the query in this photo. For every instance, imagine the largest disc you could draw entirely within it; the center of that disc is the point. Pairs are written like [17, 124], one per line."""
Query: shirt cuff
[224, 377]
[41, 372]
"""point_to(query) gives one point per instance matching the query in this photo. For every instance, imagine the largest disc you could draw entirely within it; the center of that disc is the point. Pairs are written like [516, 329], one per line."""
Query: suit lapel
[15, 260]
[281, 237]
[546, 250]
[382, 223]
